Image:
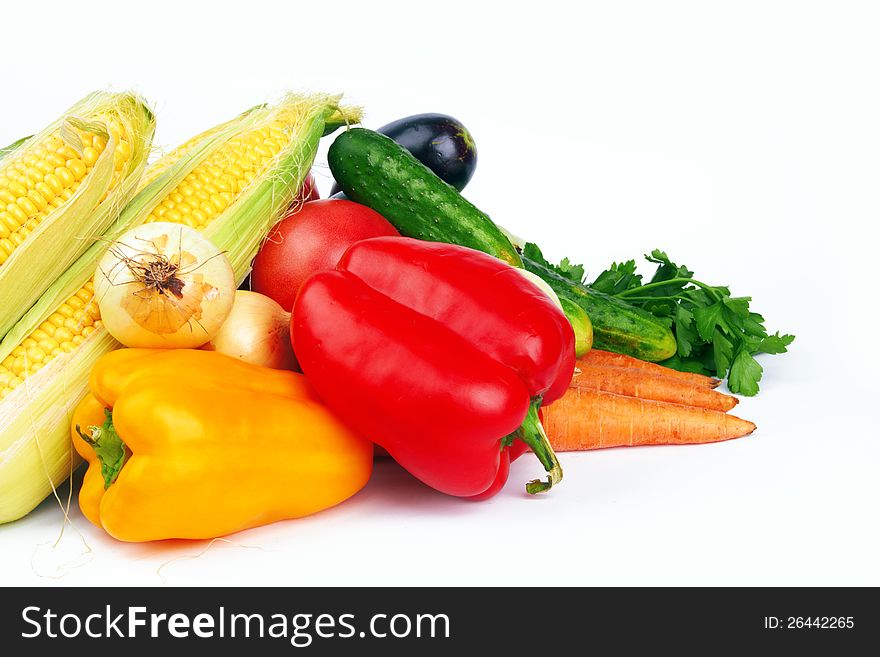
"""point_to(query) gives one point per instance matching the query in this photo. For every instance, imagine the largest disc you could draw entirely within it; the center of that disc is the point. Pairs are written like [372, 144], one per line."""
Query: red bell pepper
[438, 353]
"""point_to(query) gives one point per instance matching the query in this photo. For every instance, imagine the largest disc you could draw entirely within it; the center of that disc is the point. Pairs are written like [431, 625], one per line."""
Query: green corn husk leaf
[35, 449]
[6, 150]
[68, 231]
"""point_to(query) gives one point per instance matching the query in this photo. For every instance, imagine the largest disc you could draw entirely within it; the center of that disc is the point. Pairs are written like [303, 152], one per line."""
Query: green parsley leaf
[722, 349]
[754, 325]
[617, 278]
[775, 344]
[565, 268]
[707, 318]
[685, 334]
[571, 271]
[667, 269]
[745, 373]
[533, 252]
[686, 364]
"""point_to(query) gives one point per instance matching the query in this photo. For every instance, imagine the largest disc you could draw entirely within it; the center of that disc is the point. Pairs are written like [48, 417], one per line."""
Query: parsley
[565, 268]
[619, 277]
[716, 333]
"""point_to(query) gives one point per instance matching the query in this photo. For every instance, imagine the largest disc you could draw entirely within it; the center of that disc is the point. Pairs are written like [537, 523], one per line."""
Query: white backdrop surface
[741, 138]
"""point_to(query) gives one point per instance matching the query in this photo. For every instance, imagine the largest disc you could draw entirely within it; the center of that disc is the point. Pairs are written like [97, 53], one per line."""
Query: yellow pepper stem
[108, 446]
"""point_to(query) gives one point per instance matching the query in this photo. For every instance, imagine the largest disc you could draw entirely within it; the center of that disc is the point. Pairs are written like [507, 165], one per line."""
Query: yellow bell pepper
[195, 444]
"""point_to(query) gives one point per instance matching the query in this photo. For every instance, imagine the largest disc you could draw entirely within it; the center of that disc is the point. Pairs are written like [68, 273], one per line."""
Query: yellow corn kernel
[65, 310]
[77, 167]
[214, 184]
[75, 302]
[48, 345]
[89, 156]
[65, 175]
[54, 183]
[15, 187]
[15, 211]
[55, 160]
[35, 354]
[39, 335]
[57, 319]
[27, 206]
[44, 166]
[62, 332]
[45, 192]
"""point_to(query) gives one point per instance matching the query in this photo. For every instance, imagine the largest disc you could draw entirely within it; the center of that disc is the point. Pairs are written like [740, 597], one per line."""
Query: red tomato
[308, 191]
[312, 239]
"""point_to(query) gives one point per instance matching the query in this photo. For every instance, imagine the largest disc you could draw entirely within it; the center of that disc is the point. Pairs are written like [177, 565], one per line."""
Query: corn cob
[234, 182]
[63, 187]
[171, 157]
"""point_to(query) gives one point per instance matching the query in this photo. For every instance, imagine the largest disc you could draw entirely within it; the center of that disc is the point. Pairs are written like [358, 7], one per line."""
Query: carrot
[641, 383]
[590, 419]
[610, 359]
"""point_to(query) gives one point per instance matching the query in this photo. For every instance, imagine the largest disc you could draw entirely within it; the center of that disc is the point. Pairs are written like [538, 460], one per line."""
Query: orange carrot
[609, 359]
[590, 419]
[641, 383]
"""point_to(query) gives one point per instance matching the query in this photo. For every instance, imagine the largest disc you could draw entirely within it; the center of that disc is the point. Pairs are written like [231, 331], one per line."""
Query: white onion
[164, 285]
[257, 331]
[541, 284]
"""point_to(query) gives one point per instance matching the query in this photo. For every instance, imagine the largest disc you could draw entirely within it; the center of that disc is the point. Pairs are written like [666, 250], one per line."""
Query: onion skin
[164, 286]
[257, 331]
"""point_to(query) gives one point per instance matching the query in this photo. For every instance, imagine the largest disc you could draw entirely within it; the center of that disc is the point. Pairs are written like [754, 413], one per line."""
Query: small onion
[164, 285]
[257, 331]
[541, 285]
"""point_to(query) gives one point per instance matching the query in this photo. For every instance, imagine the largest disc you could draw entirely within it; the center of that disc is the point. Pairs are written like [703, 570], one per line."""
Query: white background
[742, 138]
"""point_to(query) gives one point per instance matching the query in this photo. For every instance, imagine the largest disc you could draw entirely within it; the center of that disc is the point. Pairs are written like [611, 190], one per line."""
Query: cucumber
[377, 172]
[438, 141]
[617, 326]
[580, 322]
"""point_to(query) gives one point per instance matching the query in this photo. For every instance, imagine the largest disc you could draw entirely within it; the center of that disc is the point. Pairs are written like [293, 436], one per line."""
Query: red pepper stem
[532, 434]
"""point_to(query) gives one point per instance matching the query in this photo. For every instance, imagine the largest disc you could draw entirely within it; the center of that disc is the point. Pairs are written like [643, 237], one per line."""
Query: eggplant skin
[438, 141]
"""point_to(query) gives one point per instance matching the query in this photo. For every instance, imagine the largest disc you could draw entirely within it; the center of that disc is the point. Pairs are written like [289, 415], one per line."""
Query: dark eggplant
[438, 141]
